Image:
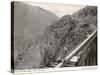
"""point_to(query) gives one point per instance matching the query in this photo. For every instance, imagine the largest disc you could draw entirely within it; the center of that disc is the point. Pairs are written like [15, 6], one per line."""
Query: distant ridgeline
[67, 32]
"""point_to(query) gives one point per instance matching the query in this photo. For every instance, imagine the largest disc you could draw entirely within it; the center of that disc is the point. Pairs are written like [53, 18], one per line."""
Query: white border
[31, 71]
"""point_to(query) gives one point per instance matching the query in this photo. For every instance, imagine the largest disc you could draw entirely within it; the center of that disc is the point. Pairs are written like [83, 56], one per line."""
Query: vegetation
[67, 32]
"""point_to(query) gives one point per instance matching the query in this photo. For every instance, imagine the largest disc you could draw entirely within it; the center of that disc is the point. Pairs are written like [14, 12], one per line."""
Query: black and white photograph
[53, 35]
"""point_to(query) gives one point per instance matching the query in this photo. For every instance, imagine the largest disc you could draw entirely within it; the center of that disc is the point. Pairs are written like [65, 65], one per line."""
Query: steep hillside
[47, 44]
[29, 21]
[67, 32]
[86, 23]
[87, 14]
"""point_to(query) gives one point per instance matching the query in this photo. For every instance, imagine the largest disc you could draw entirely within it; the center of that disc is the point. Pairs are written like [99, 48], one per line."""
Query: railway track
[79, 53]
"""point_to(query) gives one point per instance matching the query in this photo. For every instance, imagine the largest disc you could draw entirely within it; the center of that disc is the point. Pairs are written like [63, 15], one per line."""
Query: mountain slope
[47, 44]
[67, 32]
[88, 15]
[29, 21]
[86, 23]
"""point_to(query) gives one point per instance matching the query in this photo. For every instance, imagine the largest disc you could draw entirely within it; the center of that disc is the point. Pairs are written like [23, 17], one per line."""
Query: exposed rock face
[67, 32]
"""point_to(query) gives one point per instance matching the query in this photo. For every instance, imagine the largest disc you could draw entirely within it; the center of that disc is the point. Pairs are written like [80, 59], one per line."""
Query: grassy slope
[29, 22]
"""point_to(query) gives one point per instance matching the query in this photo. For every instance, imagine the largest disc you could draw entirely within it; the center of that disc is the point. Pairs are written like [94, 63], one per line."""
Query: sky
[58, 9]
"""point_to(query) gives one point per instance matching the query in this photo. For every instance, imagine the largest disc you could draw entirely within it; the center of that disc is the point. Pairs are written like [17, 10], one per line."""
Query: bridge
[85, 54]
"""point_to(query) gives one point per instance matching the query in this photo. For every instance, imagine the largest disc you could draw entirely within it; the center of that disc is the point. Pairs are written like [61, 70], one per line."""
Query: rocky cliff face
[67, 32]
